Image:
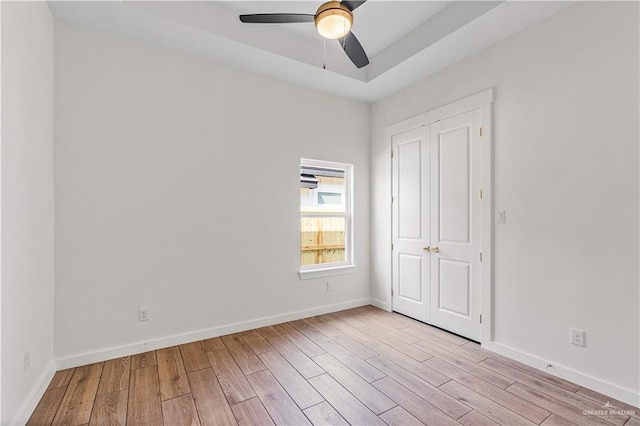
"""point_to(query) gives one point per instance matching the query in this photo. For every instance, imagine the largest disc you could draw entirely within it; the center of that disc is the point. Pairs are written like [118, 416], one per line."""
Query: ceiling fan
[333, 20]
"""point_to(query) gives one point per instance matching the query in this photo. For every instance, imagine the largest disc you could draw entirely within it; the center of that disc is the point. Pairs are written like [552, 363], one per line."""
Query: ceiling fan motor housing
[333, 20]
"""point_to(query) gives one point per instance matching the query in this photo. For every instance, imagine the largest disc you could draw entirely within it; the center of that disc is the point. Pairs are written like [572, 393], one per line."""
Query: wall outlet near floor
[576, 337]
[329, 286]
[143, 314]
[27, 359]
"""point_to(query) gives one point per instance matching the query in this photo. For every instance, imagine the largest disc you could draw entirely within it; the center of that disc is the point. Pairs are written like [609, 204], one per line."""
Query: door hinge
[480, 318]
[480, 257]
[391, 292]
[391, 246]
[391, 153]
[392, 199]
[481, 194]
[480, 131]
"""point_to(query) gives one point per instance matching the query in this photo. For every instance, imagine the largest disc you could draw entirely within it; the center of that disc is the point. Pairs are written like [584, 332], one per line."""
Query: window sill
[308, 274]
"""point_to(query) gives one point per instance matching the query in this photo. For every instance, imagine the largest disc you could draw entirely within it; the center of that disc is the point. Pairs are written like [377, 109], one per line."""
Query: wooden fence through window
[322, 240]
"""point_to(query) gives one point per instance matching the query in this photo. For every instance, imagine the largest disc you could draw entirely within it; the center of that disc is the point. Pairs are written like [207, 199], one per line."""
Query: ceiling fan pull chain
[345, 31]
[324, 53]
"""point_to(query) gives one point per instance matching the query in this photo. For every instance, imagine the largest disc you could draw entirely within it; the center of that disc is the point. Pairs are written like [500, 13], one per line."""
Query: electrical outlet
[576, 337]
[143, 314]
[27, 359]
[329, 286]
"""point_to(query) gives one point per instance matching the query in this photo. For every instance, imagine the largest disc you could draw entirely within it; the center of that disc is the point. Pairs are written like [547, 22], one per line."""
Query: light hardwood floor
[362, 366]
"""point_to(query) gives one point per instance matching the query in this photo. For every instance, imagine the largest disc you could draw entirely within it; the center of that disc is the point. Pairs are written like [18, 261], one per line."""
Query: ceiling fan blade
[276, 18]
[352, 4]
[354, 50]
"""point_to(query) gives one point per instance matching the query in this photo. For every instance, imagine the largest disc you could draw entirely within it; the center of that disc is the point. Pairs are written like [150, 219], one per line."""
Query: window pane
[327, 194]
[329, 198]
[323, 240]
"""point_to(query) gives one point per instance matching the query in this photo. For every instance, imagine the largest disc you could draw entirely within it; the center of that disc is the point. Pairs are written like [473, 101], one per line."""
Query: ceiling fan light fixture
[333, 20]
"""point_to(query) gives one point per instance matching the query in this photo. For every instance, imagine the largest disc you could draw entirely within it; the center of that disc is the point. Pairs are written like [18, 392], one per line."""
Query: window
[326, 225]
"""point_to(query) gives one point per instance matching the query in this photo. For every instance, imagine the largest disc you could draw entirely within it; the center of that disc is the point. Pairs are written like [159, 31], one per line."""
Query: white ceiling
[405, 40]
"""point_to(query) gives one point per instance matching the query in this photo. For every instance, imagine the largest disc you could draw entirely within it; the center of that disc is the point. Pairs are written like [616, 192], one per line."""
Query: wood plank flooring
[361, 366]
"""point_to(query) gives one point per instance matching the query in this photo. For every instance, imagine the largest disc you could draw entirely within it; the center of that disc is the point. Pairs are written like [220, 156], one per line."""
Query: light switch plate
[501, 216]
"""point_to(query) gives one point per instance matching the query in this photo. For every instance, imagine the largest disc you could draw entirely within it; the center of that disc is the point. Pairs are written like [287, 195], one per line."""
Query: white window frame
[335, 268]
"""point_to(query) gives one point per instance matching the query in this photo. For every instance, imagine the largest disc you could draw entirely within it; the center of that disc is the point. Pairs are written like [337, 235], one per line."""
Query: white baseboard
[30, 403]
[614, 391]
[179, 339]
[380, 304]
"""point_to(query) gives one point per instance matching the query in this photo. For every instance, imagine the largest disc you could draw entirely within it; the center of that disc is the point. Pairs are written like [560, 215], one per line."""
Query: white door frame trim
[481, 101]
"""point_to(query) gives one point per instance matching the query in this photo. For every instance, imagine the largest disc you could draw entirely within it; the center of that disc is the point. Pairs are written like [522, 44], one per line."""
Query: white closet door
[455, 224]
[436, 223]
[411, 223]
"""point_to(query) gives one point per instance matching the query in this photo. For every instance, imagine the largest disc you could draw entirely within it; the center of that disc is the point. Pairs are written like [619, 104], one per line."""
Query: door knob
[426, 249]
[435, 249]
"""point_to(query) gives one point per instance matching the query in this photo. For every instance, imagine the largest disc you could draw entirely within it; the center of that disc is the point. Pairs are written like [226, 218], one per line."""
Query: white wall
[177, 189]
[27, 205]
[566, 171]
